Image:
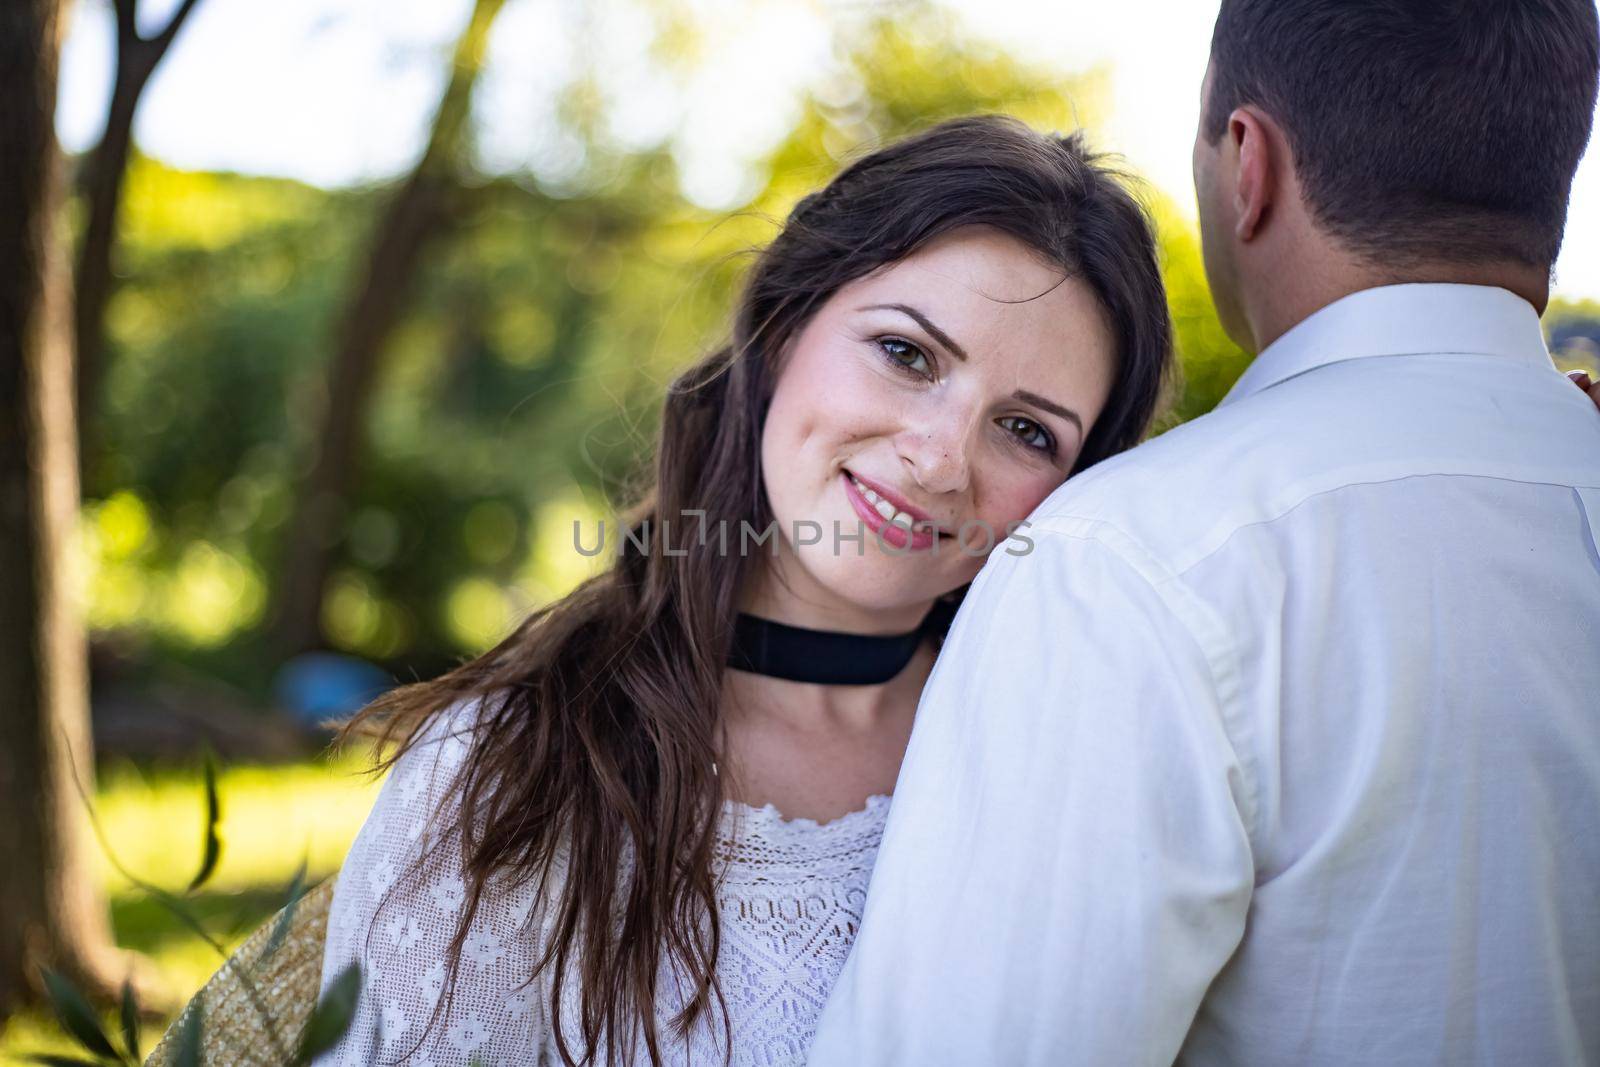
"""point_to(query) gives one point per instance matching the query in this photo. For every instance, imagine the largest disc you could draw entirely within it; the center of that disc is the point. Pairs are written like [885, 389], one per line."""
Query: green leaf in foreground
[76, 1015]
[130, 1021]
[280, 928]
[332, 1015]
[186, 1050]
[213, 843]
[53, 1060]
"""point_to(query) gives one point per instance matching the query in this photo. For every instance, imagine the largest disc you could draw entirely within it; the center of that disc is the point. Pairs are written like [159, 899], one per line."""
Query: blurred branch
[127, 20]
[164, 38]
[100, 186]
[421, 210]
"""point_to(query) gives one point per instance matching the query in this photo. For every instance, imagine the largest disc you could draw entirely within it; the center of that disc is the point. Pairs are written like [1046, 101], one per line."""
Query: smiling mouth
[897, 527]
[880, 505]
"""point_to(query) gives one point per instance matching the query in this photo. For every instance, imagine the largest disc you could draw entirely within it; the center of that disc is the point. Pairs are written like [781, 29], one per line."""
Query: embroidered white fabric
[790, 901]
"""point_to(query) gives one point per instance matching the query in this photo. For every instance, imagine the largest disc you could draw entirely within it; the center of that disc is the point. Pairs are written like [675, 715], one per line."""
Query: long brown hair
[599, 727]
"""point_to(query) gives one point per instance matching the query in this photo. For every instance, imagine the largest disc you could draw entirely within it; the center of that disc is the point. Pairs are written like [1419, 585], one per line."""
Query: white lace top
[790, 901]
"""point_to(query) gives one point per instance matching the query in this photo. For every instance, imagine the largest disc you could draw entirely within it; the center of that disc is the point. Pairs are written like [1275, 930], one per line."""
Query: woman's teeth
[882, 506]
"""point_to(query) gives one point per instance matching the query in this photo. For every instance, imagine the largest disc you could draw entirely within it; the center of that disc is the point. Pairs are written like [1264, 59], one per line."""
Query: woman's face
[956, 387]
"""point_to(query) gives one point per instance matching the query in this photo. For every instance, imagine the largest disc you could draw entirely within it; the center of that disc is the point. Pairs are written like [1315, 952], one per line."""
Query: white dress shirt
[1282, 745]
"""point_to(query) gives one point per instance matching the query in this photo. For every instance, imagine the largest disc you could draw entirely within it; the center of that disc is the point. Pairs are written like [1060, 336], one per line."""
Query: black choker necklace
[827, 657]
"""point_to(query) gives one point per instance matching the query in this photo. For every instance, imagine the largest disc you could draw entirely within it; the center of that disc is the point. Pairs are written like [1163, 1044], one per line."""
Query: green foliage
[329, 1019]
[521, 391]
[82, 1024]
[78, 1018]
[129, 1018]
[1564, 311]
[212, 848]
[1574, 329]
[277, 820]
[190, 1027]
[910, 69]
[332, 1015]
[291, 907]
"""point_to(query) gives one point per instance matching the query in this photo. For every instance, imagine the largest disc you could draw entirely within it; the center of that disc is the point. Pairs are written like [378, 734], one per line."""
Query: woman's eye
[1029, 432]
[905, 354]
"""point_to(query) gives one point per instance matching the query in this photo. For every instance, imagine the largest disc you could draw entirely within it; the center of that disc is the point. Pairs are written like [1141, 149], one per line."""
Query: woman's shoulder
[415, 818]
[431, 764]
[400, 901]
[446, 738]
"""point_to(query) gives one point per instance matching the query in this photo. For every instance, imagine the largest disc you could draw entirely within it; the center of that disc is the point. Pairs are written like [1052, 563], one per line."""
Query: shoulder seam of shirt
[1203, 626]
[1296, 494]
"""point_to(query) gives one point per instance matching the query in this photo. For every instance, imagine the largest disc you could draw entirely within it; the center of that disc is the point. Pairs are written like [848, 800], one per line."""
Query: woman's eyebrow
[1049, 405]
[1024, 395]
[923, 321]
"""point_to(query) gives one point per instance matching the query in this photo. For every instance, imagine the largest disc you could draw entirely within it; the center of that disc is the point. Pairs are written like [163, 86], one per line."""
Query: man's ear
[1257, 176]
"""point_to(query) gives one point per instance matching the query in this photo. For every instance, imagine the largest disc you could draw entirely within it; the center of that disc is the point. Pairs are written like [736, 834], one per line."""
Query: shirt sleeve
[1067, 863]
[395, 909]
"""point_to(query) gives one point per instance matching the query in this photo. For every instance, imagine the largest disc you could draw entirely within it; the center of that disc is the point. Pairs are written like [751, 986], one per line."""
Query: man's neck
[1284, 306]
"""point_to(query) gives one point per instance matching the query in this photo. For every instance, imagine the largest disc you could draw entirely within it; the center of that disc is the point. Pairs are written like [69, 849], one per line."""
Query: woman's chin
[881, 586]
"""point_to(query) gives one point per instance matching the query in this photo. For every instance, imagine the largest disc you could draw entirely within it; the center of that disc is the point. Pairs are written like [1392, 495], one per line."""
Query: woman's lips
[893, 533]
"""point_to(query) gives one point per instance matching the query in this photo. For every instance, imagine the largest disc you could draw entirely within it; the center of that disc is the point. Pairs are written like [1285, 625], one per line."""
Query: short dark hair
[1421, 129]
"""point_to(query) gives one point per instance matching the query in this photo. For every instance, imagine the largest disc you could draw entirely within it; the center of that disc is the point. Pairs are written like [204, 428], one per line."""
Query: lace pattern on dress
[789, 900]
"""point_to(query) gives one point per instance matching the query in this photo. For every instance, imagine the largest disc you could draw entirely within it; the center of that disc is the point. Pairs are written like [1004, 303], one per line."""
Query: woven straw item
[234, 1030]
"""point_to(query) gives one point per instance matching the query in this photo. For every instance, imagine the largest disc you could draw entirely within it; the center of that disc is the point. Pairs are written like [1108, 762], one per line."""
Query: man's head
[1413, 140]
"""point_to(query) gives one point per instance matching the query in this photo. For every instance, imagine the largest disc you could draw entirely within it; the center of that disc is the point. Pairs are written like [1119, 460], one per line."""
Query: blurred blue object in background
[317, 686]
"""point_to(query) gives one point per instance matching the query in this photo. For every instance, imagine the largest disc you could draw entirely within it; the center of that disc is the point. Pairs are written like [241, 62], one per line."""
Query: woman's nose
[937, 452]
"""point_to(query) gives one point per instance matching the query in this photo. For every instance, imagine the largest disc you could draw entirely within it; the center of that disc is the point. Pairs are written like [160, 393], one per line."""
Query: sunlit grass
[272, 818]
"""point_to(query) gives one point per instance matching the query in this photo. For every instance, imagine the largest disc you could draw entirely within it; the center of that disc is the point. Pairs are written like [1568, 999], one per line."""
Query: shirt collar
[1400, 320]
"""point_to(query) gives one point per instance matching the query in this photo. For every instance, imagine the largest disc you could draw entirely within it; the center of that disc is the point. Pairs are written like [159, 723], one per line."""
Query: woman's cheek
[830, 384]
[1015, 505]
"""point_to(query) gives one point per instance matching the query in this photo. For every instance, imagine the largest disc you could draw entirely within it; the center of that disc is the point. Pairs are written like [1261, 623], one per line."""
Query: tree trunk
[51, 909]
[418, 214]
[101, 189]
